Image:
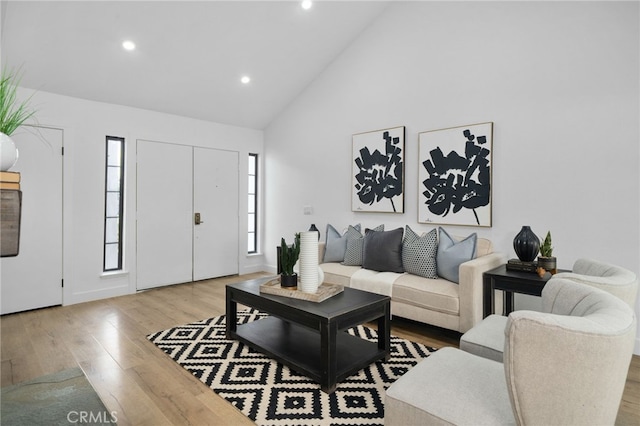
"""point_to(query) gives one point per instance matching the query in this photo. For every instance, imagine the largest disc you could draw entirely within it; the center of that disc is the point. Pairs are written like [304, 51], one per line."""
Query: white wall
[559, 81]
[85, 125]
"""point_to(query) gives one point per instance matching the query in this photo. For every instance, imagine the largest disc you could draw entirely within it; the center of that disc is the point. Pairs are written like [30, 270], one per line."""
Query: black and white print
[454, 176]
[378, 171]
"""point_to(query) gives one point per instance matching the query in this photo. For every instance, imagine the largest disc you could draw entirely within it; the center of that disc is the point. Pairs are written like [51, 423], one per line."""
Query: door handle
[197, 219]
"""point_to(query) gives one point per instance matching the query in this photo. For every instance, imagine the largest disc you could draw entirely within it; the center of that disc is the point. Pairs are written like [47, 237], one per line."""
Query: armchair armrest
[471, 288]
[321, 252]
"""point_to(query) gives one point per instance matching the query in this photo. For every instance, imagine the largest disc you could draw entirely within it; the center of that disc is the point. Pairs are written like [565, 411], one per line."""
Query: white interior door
[174, 182]
[215, 189]
[164, 214]
[33, 279]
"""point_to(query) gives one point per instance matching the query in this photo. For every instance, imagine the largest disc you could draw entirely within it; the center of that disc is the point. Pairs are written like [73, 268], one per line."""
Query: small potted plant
[13, 114]
[546, 259]
[288, 258]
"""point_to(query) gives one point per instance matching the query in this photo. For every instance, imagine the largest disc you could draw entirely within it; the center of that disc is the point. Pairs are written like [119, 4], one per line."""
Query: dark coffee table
[311, 337]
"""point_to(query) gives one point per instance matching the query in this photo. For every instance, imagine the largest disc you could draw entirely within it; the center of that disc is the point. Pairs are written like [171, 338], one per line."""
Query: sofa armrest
[471, 288]
[321, 252]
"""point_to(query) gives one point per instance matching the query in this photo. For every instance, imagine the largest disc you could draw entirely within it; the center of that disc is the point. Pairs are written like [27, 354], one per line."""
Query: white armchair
[565, 366]
[487, 337]
[616, 280]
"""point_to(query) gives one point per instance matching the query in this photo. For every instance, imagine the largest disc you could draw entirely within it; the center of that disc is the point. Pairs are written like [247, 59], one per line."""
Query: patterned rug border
[271, 394]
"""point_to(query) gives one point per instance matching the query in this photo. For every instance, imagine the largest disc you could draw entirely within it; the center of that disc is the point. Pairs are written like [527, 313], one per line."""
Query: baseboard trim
[253, 269]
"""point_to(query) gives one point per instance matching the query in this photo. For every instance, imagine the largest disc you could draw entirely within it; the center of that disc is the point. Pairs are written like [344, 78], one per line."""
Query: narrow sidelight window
[113, 204]
[252, 237]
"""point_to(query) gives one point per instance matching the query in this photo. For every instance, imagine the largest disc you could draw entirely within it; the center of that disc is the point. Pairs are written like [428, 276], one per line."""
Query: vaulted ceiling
[189, 56]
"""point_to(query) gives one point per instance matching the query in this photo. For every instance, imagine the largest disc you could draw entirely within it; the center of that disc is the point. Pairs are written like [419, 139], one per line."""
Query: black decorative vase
[313, 228]
[526, 244]
[289, 281]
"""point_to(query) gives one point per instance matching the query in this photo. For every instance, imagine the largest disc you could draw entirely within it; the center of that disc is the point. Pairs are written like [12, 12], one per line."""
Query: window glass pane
[113, 200]
[113, 204]
[252, 209]
[114, 152]
[112, 230]
[111, 256]
[252, 164]
[252, 184]
[252, 223]
[113, 178]
[252, 243]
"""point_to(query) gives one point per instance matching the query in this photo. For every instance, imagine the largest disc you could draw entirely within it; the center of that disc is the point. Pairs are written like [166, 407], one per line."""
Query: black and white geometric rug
[271, 394]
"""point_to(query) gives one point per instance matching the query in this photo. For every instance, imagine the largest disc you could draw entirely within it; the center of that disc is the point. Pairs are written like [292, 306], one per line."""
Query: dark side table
[510, 282]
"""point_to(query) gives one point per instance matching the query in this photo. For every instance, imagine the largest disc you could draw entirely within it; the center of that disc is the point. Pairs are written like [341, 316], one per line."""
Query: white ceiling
[190, 55]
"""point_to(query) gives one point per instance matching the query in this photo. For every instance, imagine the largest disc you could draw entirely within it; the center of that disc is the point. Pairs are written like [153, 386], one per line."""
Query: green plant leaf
[13, 114]
[546, 249]
[289, 255]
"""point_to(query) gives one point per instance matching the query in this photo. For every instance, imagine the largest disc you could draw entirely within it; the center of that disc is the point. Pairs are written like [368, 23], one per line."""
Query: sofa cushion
[452, 253]
[434, 294]
[335, 247]
[450, 387]
[383, 251]
[355, 246]
[336, 244]
[486, 339]
[483, 246]
[374, 281]
[339, 274]
[419, 253]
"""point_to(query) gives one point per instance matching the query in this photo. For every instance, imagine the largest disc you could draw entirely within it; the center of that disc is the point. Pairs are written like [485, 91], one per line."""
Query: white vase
[308, 282]
[296, 269]
[8, 153]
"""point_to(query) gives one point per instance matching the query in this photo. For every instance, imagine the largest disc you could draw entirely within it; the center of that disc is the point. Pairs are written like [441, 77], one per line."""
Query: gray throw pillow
[419, 253]
[355, 246]
[383, 251]
[452, 253]
[335, 246]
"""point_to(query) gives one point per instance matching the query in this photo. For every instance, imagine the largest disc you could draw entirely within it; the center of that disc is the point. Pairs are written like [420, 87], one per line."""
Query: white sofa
[432, 301]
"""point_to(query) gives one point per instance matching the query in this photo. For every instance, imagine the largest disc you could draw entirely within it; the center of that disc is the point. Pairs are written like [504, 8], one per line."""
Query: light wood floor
[107, 339]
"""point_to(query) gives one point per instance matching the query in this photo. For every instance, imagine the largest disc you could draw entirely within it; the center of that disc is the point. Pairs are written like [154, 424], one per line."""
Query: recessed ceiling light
[128, 45]
[306, 4]
[245, 79]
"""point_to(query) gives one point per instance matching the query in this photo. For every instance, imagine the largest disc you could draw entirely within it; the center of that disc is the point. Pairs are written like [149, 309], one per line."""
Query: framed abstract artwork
[378, 171]
[454, 175]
